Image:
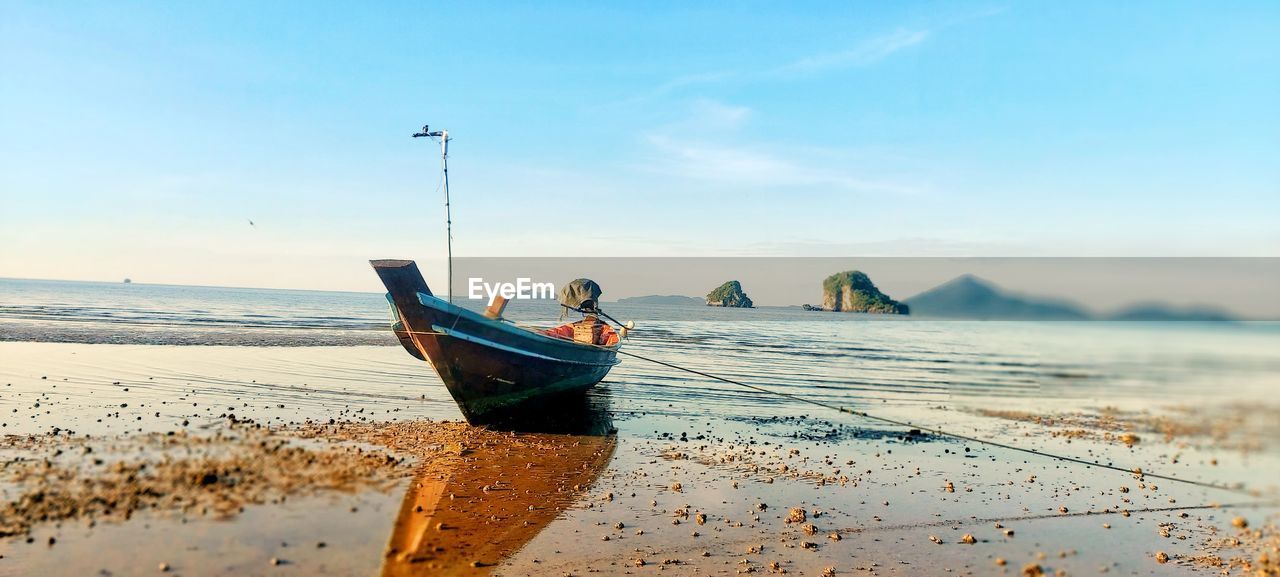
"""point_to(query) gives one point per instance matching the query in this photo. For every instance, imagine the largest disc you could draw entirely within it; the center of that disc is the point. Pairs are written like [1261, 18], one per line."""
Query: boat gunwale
[508, 348]
[440, 305]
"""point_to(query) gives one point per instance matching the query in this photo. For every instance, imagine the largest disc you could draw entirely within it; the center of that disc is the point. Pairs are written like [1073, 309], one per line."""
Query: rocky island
[853, 292]
[729, 295]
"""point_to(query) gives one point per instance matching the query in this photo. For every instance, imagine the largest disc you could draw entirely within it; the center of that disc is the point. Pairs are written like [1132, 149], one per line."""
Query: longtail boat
[493, 369]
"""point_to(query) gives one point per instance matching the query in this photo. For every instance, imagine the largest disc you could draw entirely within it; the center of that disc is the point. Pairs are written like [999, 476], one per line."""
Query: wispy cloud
[750, 166]
[868, 52]
[689, 80]
[713, 144]
[708, 115]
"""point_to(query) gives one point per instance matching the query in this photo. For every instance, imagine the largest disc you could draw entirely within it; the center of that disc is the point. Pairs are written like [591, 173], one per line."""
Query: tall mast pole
[448, 213]
[443, 135]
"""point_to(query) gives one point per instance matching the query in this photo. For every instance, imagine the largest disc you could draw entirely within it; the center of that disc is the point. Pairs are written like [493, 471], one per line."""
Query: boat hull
[494, 370]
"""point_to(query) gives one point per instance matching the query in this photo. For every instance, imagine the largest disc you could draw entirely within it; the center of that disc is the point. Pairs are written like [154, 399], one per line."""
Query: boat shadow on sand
[468, 514]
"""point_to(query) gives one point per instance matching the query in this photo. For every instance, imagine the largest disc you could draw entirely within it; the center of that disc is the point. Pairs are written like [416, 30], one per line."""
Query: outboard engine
[582, 295]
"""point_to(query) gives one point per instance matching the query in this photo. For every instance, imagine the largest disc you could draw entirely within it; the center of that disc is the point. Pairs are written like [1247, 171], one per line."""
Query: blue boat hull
[493, 369]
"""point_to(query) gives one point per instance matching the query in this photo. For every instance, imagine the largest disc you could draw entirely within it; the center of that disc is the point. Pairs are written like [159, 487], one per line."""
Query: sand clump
[57, 477]
[1226, 427]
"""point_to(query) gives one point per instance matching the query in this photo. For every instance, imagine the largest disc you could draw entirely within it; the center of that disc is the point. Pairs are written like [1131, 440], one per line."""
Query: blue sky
[140, 138]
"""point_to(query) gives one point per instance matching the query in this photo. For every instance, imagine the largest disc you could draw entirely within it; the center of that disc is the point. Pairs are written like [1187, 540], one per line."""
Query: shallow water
[843, 358]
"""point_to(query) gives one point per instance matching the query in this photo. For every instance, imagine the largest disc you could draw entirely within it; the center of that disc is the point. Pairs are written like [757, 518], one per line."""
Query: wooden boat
[492, 368]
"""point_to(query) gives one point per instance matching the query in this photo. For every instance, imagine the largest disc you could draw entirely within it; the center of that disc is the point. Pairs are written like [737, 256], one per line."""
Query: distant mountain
[969, 297]
[1161, 312]
[665, 300]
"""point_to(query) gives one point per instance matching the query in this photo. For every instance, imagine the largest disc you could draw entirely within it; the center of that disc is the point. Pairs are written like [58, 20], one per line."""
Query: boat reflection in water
[489, 500]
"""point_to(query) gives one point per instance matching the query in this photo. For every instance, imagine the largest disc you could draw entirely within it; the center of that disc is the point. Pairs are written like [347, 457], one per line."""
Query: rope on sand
[1238, 489]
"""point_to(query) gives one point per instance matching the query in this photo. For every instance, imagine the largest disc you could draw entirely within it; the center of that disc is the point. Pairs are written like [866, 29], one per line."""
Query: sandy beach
[115, 464]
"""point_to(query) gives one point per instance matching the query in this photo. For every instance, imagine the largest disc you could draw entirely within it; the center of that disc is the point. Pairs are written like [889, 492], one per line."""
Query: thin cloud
[713, 115]
[670, 86]
[868, 52]
[689, 80]
[745, 166]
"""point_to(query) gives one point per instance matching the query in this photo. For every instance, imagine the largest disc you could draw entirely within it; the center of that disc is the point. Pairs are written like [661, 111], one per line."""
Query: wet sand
[395, 485]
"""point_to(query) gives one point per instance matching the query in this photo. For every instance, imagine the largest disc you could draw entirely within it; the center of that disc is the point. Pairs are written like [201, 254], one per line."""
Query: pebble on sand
[1162, 557]
[969, 539]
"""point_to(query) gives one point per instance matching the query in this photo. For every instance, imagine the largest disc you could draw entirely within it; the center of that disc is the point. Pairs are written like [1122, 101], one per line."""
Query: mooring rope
[1066, 458]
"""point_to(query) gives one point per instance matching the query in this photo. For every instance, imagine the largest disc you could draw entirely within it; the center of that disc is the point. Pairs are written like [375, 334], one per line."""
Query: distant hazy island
[1162, 312]
[852, 291]
[729, 295]
[969, 297]
[664, 300]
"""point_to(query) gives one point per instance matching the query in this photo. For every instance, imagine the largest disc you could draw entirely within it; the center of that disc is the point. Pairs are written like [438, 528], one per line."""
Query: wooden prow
[403, 281]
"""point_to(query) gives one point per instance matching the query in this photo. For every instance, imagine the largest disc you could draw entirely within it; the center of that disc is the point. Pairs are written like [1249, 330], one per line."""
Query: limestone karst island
[729, 295]
[853, 292]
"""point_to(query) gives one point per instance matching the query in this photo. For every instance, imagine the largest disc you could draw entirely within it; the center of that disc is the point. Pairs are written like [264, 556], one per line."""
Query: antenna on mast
[443, 135]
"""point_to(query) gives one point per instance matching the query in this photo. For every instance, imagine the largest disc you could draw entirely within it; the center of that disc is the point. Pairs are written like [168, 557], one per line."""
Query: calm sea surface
[844, 358]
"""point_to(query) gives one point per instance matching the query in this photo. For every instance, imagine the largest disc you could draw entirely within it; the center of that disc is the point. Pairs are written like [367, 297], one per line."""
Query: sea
[839, 358]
